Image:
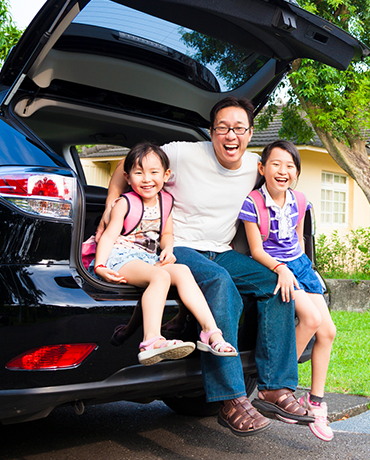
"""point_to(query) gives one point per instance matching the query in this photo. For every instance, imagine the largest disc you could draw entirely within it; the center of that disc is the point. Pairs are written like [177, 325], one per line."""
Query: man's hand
[103, 224]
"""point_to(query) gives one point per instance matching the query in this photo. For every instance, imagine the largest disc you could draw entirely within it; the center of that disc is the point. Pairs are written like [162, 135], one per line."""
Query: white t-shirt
[208, 197]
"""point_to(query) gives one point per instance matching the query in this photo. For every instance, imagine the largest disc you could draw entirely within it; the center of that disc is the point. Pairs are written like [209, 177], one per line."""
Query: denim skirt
[121, 256]
[306, 277]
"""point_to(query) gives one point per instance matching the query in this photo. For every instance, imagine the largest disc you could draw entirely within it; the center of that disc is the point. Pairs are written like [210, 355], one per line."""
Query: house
[338, 202]
[99, 163]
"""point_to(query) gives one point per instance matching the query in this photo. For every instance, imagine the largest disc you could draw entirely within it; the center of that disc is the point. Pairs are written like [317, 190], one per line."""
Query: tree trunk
[354, 161]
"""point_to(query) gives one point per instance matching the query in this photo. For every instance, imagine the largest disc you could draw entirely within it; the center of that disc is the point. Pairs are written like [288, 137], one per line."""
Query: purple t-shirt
[282, 242]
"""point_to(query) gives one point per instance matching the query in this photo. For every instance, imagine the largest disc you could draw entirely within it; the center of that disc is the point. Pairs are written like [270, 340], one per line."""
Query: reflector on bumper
[52, 357]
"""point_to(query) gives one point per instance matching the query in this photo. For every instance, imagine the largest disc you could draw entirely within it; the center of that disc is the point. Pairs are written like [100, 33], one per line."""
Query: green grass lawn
[349, 368]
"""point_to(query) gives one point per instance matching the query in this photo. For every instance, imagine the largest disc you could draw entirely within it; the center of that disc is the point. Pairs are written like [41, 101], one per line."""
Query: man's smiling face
[229, 148]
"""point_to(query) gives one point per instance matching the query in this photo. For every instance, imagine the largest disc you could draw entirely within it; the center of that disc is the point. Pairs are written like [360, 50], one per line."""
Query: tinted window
[231, 65]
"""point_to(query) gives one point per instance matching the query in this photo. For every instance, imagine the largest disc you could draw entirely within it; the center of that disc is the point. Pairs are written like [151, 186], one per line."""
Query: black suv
[114, 72]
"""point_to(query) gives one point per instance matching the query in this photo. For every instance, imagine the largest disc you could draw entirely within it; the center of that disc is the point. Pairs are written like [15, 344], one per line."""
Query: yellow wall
[98, 171]
[316, 160]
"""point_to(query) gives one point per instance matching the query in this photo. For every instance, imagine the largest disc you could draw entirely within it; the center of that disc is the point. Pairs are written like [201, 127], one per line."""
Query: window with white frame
[334, 198]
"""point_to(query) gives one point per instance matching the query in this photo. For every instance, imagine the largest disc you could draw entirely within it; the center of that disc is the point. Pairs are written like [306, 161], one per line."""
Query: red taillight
[13, 185]
[46, 185]
[52, 357]
[43, 194]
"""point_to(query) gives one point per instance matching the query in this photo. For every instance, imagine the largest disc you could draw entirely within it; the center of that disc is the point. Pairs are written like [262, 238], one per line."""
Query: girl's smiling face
[279, 170]
[149, 179]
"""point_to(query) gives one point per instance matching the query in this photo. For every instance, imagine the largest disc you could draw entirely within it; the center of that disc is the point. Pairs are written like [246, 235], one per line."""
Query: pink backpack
[263, 215]
[132, 219]
[135, 210]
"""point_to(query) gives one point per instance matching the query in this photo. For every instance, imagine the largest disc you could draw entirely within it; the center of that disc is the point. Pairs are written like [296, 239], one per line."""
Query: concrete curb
[341, 406]
[349, 295]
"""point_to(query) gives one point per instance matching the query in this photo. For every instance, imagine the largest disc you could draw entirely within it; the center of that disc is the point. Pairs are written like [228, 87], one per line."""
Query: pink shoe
[320, 427]
[216, 348]
[169, 349]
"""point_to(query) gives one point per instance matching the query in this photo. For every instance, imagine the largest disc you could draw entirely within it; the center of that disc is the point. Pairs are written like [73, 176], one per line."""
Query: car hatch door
[275, 28]
[39, 37]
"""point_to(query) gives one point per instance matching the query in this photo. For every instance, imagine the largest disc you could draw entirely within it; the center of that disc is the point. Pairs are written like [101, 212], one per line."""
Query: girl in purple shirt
[283, 253]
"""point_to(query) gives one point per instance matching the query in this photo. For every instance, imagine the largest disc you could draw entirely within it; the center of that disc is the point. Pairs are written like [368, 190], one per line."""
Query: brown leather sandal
[241, 417]
[284, 403]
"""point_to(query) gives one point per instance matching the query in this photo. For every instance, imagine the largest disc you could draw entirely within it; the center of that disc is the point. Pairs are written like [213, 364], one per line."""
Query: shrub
[344, 257]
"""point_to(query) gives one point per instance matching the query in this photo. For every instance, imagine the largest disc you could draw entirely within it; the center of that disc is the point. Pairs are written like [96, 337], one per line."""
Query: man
[209, 182]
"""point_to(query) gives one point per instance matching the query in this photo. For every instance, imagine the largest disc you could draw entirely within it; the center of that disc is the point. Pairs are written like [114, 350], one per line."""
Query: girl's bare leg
[157, 283]
[309, 320]
[322, 348]
[193, 298]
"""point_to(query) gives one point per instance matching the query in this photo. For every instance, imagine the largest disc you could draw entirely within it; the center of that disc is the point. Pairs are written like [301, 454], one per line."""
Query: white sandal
[169, 349]
[216, 348]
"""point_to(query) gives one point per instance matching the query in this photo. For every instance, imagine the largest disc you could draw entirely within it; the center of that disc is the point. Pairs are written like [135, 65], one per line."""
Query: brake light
[42, 194]
[52, 357]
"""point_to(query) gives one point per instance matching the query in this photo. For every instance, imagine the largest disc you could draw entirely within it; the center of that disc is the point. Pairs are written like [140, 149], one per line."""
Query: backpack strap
[166, 202]
[134, 214]
[135, 210]
[263, 215]
[301, 201]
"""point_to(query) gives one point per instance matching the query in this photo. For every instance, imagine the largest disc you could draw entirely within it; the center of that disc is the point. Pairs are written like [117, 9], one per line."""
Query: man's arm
[117, 186]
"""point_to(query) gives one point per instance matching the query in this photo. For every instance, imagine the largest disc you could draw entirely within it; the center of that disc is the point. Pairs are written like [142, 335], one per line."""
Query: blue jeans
[224, 279]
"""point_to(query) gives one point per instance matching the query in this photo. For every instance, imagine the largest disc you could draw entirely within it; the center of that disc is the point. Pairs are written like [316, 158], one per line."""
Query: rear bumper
[136, 383]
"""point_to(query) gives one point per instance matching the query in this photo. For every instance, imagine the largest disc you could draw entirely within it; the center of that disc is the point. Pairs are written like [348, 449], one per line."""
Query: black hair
[232, 101]
[140, 151]
[284, 145]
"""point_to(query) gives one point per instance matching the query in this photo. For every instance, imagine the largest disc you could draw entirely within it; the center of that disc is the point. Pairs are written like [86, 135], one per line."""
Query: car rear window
[230, 65]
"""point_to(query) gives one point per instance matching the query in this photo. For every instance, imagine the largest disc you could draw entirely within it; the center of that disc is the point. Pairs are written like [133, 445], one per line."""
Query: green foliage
[294, 127]
[344, 257]
[79, 147]
[336, 101]
[233, 64]
[9, 34]
[349, 367]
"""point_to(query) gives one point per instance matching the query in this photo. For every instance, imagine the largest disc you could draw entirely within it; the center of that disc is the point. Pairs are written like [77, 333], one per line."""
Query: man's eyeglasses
[239, 131]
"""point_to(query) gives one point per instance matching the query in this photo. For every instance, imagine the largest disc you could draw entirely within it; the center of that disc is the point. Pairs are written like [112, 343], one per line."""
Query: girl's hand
[110, 275]
[286, 283]
[167, 257]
